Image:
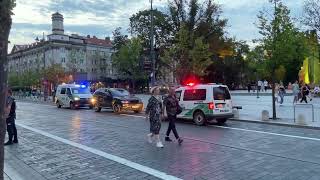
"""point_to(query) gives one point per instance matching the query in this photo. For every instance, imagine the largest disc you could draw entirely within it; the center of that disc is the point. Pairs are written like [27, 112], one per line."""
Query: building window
[81, 61]
[63, 60]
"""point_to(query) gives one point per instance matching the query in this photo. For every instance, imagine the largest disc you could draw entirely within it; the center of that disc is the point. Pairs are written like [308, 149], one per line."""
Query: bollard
[301, 120]
[265, 115]
[235, 113]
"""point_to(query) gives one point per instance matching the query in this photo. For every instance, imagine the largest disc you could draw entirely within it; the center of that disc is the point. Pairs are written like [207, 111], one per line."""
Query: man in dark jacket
[171, 104]
[11, 116]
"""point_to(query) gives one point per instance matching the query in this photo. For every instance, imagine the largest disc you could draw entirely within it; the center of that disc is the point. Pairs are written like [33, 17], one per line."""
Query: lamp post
[152, 52]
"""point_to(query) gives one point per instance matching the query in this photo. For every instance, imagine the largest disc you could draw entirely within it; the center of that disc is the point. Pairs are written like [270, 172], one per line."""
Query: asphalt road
[83, 144]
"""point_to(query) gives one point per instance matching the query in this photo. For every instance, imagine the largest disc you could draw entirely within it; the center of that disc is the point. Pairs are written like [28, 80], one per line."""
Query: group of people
[301, 92]
[260, 86]
[158, 110]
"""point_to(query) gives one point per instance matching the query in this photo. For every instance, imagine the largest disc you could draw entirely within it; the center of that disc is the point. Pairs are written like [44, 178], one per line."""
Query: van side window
[63, 91]
[221, 93]
[195, 95]
[178, 95]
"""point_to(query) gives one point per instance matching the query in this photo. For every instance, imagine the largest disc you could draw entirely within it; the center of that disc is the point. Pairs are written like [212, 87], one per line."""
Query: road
[83, 144]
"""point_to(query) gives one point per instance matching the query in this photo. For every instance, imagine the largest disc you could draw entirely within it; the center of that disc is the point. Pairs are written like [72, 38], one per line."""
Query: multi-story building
[87, 57]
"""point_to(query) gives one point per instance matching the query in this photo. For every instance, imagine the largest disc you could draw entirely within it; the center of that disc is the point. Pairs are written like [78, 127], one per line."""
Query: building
[86, 57]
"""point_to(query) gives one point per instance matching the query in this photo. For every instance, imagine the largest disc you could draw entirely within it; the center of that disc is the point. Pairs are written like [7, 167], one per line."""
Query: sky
[100, 17]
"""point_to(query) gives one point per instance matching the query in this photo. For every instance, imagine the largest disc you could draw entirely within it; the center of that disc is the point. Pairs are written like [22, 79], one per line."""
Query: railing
[294, 110]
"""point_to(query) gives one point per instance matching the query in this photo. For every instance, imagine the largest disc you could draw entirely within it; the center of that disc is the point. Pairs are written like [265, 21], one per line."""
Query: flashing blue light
[83, 86]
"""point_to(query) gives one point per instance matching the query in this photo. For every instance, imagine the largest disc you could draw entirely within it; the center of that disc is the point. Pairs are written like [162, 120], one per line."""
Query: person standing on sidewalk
[304, 93]
[11, 116]
[172, 105]
[295, 92]
[154, 114]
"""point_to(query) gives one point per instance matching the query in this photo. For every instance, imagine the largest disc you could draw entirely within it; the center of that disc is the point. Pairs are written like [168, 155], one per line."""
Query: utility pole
[152, 52]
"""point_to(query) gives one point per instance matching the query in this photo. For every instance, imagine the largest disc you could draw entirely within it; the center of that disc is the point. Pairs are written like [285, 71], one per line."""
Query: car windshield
[221, 93]
[119, 92]
[80, 91]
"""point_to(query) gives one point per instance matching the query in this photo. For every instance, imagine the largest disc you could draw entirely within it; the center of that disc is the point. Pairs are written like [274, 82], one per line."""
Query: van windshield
[221, 93]
[80, 91]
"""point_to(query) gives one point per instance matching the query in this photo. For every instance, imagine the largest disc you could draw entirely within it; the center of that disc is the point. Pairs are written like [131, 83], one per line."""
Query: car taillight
[211, 106]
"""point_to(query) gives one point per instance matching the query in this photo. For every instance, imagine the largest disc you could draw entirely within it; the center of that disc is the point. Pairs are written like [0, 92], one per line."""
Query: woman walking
[154, 114]
[295, 92]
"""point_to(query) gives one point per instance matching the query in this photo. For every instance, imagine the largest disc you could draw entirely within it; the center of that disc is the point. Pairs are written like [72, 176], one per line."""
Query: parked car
[116, 99]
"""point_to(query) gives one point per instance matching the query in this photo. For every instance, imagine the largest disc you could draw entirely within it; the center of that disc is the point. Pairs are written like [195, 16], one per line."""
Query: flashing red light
[211, 106]
[191, 84]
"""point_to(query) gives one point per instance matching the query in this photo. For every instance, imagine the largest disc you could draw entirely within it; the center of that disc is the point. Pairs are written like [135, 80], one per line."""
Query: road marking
[132, 115]
[111, 157]
[254, 131]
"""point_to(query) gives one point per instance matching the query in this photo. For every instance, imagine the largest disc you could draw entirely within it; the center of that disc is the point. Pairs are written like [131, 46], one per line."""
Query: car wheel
[97, 108]
[199, 118]
[137, 111]
[72, 106]
[117, 108]
[90, 107]
[58, 104]
[221, 121]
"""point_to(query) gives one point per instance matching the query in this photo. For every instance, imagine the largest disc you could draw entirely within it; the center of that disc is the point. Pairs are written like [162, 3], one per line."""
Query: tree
[6, 7]
[128, 60]
[282, 42]
[195, 27]
[118, 39]
[54, 74]
[311, 16]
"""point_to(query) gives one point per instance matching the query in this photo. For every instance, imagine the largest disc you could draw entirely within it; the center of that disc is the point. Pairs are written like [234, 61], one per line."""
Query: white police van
[73, 96]
[205, 102]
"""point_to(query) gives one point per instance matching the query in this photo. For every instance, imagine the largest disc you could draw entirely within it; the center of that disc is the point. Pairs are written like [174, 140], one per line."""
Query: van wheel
[221, 121]
[117, 108]
[199, 118]
[58, 104]
[72, 106]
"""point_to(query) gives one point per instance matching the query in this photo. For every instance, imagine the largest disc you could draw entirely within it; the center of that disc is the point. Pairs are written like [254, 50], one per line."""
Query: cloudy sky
[100, 17]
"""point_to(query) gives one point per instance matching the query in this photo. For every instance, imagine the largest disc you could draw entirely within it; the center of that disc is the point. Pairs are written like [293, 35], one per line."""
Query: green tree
[118, 39]
[6, 7]
[311, 15]
[128, 61]
[283, 43]
[55, 74]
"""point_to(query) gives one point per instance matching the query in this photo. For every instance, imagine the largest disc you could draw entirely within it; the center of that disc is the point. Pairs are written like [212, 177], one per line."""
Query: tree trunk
[5, 26]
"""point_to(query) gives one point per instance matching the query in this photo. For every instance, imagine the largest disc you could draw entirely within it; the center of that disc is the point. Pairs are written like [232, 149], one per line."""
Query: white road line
[111, 157]
[132, 115]
[254, 131]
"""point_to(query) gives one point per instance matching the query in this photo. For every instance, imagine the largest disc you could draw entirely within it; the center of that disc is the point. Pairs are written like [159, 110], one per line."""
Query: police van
[73, 96]
[205, 102]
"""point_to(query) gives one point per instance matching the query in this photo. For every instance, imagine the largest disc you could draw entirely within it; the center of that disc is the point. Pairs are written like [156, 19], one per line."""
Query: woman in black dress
[154, 114]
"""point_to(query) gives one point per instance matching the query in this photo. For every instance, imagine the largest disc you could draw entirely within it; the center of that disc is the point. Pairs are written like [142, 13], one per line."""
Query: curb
[276, 124]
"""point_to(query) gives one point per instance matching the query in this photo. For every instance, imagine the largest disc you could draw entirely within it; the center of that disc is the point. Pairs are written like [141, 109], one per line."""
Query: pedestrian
[304, 93]
[295, 92]
[10, 110]
[309, 92]
[281, 93]
[173, 109]
[265, 84]
[154, 114]
[249, 87]
[260, 84]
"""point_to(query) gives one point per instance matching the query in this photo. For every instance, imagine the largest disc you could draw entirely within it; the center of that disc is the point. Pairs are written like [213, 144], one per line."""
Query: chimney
[94, 37]
[107, 38]
[88, 36]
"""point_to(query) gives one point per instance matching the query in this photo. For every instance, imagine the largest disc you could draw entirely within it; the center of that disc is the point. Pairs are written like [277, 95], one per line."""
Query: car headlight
[93, 100]
[76, 98]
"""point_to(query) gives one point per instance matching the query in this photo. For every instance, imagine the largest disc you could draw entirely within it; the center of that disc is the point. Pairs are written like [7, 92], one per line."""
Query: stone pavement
[237, 151]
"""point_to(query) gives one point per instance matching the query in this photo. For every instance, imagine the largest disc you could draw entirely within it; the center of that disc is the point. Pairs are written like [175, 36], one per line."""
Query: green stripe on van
[203, 107]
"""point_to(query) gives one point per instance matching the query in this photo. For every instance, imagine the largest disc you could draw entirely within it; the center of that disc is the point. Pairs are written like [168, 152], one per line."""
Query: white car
[73, 96]
[205, 102]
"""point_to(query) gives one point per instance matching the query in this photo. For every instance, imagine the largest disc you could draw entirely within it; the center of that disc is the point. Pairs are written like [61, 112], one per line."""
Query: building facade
[87, 57]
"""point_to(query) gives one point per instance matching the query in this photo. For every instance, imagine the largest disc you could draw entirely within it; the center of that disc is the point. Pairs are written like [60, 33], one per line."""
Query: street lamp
[152, 53]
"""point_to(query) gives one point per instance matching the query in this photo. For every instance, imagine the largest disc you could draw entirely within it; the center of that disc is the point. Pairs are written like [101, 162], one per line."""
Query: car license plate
[224, 110]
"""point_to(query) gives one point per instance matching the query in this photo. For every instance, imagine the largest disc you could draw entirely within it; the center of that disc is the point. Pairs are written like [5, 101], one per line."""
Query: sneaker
[8, 143]
[311, 99]
[180, 141]
[159, 144]
[15, 141]
[150, 138]
[168, 139]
